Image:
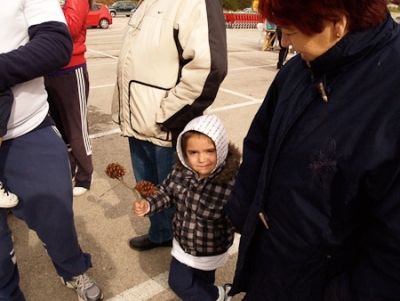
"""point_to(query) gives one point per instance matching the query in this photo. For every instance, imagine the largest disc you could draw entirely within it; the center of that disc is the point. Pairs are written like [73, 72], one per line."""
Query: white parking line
[252, 101]
[103, 53]
[107, 133]
[224, 108]
[145, 290]
[102, 86]
[240, 95]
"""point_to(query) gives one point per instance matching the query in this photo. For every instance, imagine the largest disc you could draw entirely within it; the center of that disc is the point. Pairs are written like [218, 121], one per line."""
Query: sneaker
[221, 293]
[78, 191]
[227, 288]
[7, 199]
[86, 288]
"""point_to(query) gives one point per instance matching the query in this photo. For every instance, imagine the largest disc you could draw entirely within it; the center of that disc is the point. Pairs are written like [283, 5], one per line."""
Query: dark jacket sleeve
[6, 101]
[49, 49]
[376, 271]
[254, 149]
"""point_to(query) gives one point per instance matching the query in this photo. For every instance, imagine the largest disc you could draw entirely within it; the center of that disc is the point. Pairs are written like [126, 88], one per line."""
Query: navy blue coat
[327, 177]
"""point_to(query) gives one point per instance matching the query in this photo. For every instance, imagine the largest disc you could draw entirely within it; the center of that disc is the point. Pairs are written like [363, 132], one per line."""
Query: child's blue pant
[192, 284]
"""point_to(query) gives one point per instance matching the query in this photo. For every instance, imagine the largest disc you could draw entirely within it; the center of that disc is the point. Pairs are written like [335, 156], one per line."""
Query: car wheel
[104, 23]
[112, 14]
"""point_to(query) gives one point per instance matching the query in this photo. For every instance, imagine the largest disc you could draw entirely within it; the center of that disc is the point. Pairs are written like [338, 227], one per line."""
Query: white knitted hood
[211, 126]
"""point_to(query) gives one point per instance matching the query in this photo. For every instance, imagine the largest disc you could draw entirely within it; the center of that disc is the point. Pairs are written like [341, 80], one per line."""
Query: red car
[98, 16]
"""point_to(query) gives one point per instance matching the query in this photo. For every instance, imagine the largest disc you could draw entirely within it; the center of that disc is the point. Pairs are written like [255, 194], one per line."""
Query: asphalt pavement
[103, 216]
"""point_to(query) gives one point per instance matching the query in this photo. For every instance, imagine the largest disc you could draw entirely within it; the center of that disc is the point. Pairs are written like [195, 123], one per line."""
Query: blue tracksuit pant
[35, 167]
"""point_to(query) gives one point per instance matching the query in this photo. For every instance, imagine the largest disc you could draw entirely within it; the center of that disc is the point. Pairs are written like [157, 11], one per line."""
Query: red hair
[309, 15]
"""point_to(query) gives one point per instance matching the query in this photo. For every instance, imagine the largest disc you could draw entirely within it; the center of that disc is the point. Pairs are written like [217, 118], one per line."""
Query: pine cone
[115, 171]
[146, 188]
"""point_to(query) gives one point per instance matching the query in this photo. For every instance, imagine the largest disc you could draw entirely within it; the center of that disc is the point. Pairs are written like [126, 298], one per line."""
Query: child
[7, 199]
[198, 187]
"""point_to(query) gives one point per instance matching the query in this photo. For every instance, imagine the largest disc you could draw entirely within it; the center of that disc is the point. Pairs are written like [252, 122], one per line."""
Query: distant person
[198, 187]
[162, 84]
[271, 34]
[317, 196]
[283, 51]
[68, 92]
[35, 41]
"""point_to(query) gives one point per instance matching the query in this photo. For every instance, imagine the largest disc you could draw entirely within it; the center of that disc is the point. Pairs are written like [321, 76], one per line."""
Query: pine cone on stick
[115, 171]
[146, 188]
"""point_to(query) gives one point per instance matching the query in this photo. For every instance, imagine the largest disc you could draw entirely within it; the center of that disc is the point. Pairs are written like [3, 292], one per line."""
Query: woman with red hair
[317, 196]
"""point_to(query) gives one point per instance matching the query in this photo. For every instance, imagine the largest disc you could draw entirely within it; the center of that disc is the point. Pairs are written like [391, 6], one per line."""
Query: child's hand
[140, 207]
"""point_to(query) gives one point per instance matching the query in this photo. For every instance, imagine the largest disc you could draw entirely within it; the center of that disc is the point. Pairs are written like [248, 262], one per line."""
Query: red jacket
[75, 12]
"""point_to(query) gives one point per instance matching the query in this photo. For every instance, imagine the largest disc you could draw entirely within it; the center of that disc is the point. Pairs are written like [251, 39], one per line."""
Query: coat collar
[355, 46]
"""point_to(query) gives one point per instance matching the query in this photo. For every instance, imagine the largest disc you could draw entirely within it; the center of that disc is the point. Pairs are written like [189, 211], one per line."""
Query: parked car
[98, 16]
[122, 8]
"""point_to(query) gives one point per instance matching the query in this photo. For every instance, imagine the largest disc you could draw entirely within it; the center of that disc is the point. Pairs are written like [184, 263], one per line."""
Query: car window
[95, 7]
[131, 5]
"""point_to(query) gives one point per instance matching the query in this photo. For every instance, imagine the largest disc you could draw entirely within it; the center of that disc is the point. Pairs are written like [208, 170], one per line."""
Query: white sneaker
[227, 288]
[223, 292]
[7, 199]
[77, 191]
[86, 288]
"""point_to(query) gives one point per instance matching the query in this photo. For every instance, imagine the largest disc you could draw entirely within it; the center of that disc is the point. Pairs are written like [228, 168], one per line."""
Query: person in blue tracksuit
[33, 157]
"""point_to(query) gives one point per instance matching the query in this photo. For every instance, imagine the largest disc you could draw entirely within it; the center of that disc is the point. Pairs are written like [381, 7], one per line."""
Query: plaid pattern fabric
[200, 224]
